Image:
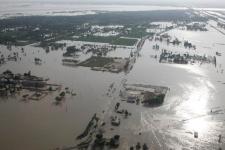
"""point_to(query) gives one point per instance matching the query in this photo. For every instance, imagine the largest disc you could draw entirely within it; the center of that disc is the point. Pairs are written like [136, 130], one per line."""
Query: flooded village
[155, 81]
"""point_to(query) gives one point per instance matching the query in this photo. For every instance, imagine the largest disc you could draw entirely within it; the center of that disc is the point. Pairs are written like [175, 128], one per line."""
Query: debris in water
[195, 134]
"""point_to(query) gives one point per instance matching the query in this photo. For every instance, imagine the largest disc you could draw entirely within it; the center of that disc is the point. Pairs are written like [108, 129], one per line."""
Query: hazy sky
[199, 3]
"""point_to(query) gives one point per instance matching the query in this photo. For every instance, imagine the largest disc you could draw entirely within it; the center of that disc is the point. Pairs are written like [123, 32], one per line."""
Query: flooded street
[194, 103]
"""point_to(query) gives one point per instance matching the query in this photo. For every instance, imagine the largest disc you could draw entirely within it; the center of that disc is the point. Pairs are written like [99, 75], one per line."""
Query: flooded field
[191, 116]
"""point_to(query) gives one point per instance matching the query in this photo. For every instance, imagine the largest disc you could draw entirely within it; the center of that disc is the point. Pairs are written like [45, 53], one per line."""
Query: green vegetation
[158, 99]
[49, 29]
[152, 99]
[109, 39]
[137, 32]
[70, 51]
[96, 61]
[124, 41]
[101, 39]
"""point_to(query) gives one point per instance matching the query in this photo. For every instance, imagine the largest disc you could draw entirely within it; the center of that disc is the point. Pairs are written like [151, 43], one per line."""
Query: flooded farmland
[190, 116]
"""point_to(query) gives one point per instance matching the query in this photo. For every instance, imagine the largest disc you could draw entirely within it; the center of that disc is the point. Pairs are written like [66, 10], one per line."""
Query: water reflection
[200, 125]
[194, 69]
[196, 99]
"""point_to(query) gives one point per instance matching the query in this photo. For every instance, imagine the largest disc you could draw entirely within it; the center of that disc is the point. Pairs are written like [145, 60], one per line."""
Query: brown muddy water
[195, 102]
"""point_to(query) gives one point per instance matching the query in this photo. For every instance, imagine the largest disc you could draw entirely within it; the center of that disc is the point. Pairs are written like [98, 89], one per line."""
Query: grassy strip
[137, 32]
[110, 39]
[100, 39]
[96, 61]
[124, 41]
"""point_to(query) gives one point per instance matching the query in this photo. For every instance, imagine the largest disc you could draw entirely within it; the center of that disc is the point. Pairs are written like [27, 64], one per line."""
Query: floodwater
[195, 91]
[40, 124]
[8, 9]
[195, 102]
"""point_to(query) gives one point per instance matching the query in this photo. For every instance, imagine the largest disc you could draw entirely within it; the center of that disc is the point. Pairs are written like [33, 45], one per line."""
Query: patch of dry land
[109, 64]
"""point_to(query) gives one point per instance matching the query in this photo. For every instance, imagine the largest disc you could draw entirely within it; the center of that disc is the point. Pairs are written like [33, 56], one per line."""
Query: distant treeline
[122, 18]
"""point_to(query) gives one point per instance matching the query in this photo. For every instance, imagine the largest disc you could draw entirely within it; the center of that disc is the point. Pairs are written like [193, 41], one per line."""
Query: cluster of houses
[196, 27]
[11, 83]
[169, 40]
[73, 53]
[148, 95]
[11, 57]
[170, 57]
[189, 45]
